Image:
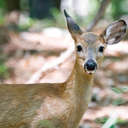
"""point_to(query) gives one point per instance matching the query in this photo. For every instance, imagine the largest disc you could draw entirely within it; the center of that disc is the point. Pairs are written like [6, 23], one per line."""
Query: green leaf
[117, 90]
[101, 120]
[119, 101]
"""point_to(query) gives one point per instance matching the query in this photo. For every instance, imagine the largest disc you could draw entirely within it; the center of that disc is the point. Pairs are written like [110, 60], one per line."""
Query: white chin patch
[91, 72]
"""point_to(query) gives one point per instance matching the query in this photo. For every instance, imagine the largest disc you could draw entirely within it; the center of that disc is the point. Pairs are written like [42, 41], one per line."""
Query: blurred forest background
[35, 46]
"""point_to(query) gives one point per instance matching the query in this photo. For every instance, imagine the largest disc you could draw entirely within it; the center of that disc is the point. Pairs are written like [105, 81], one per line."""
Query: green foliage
[26, 24]
[45, 124]
[2, 18]
[58, 17]
[3, 68]
[119, 90]
[101, 120]
[113, 126]
[122, 122]
[2, 11]
[119, 101]
[24, 5]
[119, 8]
[3, 71]
[119, 122]
[2, 4]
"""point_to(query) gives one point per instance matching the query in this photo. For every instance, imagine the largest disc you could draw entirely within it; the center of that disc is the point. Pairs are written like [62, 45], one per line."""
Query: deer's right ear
[73, 28]
[115, 32]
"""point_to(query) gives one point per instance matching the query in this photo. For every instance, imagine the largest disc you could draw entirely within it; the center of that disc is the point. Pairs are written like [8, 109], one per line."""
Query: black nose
[90, 65]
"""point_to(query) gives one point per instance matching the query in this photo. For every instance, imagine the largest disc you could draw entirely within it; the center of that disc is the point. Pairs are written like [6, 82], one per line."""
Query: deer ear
[73, 28]
[115, 32]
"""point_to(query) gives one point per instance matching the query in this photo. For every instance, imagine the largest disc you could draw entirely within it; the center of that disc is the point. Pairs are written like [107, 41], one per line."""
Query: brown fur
[60, 105]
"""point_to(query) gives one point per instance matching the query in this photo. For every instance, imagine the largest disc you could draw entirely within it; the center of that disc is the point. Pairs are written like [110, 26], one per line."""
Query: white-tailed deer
[59, 105]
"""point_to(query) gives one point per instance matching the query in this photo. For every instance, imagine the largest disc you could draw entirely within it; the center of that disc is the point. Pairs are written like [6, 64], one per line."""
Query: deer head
[90, 46]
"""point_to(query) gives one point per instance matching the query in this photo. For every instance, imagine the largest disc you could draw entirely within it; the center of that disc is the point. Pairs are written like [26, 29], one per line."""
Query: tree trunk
[99, 15]
[13, 5]
[42, 8]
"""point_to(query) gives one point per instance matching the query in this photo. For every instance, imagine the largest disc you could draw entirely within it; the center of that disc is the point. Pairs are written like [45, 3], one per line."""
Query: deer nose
[90, 65]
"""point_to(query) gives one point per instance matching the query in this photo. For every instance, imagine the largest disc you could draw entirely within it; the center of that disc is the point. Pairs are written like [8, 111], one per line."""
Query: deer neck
[83, 85]
[78, 93]
[79, 82]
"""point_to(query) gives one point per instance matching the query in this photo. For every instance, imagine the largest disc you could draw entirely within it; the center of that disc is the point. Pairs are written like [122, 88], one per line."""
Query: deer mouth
[91, 72]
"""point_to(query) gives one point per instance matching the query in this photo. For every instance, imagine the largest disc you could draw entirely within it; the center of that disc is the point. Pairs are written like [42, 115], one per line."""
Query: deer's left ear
[115, 32]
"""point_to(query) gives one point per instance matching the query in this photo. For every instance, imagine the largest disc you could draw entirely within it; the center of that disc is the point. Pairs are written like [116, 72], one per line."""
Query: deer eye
[101, 48]
[79, 48]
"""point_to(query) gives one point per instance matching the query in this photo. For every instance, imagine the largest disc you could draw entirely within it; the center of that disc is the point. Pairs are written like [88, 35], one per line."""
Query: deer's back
[32, 106]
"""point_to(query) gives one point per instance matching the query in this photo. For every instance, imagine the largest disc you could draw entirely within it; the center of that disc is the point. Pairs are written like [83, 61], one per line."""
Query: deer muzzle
[90, 66]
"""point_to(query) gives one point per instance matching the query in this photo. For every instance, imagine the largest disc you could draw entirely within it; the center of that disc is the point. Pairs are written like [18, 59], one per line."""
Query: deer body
[59, 105]
[45, 105]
